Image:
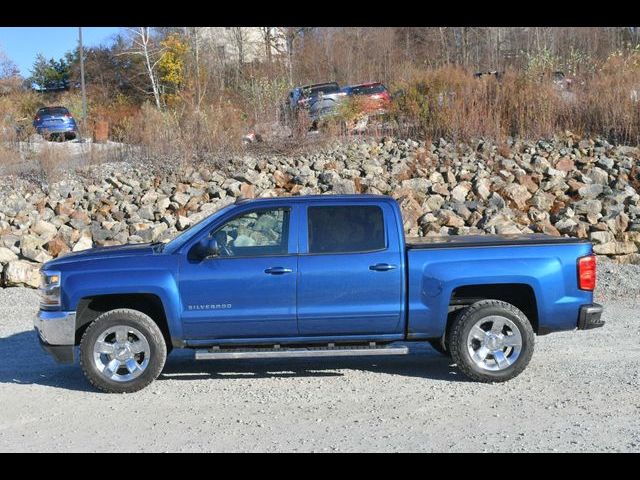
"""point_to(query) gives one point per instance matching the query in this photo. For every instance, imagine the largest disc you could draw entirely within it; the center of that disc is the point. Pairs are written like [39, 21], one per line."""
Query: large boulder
[31, 248]
[85, 242]
[518, 193]
[22, 273]
[6, 255]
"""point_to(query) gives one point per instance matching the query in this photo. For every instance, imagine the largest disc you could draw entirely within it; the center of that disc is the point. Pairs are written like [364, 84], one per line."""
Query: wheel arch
[91, 307]
[520, 295]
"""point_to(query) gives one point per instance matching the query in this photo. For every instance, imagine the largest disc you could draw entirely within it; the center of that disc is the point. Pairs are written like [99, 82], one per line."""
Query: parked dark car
[325, 105]
[300, 99]
[55, 122]
[304, 96]
[377, 95]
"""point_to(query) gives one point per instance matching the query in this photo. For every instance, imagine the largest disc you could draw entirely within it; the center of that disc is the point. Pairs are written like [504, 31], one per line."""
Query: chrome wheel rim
[494, 343]
[121, 353]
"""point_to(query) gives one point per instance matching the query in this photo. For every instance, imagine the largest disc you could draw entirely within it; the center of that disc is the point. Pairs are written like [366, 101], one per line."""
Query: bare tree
[267, 39]
[291, 35]
[142, 45]
[239, 38]
[9, 74]
[8, 68]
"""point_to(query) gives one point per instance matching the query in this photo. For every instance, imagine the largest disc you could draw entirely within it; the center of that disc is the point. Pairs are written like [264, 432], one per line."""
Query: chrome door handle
[277, 270]
[382, 267]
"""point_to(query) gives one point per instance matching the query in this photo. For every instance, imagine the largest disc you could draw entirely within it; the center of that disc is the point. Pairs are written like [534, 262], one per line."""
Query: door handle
[382, 267]
[277, 270]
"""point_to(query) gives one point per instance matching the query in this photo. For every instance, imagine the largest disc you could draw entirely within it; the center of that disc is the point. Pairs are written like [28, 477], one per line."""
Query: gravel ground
[617, 281]
[580, 393]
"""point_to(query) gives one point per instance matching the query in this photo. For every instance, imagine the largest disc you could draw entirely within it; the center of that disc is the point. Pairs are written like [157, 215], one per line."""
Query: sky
[22, 44]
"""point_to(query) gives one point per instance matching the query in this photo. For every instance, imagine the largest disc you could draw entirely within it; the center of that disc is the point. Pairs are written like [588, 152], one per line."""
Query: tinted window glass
[53, 111]
[325, 89]
[345, 229]
[368, 90]
[262, 232]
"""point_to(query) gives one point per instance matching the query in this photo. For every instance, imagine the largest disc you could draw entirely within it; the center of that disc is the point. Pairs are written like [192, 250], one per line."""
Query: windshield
[194, 230]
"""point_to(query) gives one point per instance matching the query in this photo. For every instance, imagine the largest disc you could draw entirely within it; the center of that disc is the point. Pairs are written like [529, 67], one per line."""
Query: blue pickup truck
[308, 277]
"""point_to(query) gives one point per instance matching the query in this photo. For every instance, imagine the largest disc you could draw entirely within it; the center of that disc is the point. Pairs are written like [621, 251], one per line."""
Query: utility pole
[84, 93]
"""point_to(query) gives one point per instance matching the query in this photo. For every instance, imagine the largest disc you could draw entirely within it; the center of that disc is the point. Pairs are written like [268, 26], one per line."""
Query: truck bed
[466, 241]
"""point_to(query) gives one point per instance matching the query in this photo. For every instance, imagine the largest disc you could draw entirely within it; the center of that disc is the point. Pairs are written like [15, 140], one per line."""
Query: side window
[261, 232]
[345, 229]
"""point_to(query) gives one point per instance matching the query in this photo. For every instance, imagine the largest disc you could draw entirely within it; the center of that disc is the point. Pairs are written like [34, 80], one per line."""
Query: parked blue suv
[55, 122]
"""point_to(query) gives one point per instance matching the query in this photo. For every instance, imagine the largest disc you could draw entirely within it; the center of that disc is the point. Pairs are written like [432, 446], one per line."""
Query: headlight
[50, 290]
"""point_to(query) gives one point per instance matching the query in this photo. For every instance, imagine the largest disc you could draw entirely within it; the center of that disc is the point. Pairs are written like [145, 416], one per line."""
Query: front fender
[158, 282]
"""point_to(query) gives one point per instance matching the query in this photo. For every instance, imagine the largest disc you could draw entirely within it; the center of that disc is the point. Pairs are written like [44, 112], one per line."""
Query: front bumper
[590, 317]
[57, 334]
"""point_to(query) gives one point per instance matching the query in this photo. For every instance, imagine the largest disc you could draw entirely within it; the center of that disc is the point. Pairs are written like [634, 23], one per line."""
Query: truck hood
[100, 253]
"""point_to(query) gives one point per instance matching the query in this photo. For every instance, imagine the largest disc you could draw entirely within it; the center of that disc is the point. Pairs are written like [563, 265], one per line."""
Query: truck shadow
[22, 361]
[422, 362]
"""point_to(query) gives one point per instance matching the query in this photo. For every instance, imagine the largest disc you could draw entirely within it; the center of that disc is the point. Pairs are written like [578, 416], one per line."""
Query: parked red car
[377, 94]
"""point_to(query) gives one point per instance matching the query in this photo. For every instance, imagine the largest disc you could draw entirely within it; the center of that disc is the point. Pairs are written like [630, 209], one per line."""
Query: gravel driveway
[580, 393]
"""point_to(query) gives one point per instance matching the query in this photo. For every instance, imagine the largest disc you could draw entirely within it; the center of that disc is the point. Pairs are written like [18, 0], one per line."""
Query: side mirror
[209, 248]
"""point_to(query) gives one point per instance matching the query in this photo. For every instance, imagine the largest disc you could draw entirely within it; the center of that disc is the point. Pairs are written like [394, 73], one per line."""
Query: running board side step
[277, 351]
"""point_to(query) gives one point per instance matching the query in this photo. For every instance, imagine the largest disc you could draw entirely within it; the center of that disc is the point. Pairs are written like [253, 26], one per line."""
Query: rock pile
[565, 186]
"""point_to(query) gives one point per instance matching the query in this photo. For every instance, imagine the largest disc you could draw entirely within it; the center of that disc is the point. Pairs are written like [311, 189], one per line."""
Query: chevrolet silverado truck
[312, 276]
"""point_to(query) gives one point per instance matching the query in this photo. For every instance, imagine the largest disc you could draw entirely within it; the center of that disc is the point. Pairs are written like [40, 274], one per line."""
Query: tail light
[587, 273]
[37, 119]
[68, 115]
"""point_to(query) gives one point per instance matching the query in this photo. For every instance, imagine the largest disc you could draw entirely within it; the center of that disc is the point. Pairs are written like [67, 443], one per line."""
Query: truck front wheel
[491, 341]
[122, 351]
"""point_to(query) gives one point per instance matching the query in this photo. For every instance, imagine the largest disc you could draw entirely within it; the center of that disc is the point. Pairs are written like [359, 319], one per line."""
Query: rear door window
[345, 229]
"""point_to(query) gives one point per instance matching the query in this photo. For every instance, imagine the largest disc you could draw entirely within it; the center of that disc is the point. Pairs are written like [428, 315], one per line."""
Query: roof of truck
[302, 198]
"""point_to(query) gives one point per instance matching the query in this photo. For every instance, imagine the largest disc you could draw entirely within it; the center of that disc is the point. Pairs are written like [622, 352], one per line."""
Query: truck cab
[311, 276]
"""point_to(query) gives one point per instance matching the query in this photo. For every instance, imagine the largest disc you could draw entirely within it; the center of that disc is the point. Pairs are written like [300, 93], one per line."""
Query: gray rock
[591, 191]
[85, 242]
[460, 192]
[183, 222]
[615, 248]
[6, 255]
[31, 247]
[344, 186]
[598, 175]
[22, 273]
[518, 193]
[601, 237]
[45, 230]
[181, 198]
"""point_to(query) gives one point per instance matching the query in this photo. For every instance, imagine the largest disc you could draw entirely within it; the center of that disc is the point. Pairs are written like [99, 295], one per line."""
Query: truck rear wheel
[122, 351]
[491, 341]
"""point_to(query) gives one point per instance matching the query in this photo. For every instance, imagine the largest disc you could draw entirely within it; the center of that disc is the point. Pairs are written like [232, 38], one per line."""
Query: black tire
[439, 346]
[126, 317]
[461, 327]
